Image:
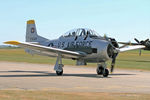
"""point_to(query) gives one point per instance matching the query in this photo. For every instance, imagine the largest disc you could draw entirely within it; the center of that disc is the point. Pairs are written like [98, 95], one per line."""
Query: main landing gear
[102, 70]
[60, 72]
[59, 66]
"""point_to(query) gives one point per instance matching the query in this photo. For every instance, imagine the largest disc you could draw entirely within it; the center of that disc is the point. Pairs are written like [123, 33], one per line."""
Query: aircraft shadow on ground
[48, 74]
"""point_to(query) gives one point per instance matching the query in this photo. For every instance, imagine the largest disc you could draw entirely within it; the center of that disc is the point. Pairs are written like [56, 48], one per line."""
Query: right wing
[127, 48]
[49, 51]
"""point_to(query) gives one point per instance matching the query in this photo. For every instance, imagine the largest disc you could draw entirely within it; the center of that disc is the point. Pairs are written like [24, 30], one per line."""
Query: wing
[127, 48]
[49, 51]
[128, 43]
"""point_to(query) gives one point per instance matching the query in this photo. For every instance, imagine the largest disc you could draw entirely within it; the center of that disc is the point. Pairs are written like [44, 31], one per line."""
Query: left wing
[49, 51]
[127, 48]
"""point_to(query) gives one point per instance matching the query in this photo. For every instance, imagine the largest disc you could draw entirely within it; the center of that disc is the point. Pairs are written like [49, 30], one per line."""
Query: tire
[106, 73]
[59, 73]
[99, 70]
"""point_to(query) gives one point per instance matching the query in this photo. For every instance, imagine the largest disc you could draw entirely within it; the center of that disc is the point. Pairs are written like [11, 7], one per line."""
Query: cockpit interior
[82, 32]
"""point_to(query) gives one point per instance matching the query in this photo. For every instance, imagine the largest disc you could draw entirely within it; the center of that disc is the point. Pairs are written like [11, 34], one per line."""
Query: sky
[121, 19]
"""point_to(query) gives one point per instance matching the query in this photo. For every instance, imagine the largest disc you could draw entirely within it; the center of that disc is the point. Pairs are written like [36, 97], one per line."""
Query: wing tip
[12, 42]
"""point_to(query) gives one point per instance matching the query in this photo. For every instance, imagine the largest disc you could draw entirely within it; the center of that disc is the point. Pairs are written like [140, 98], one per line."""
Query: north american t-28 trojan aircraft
[82, 44]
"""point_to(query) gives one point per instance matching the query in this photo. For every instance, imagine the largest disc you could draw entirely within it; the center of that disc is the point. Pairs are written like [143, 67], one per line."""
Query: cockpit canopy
[81, 32]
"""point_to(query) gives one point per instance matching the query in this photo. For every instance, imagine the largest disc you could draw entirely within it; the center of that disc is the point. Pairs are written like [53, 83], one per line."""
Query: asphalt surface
[28, 76]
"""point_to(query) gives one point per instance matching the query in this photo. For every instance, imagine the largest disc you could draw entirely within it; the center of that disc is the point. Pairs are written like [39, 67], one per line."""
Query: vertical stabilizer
[33, 37]
[31, 33]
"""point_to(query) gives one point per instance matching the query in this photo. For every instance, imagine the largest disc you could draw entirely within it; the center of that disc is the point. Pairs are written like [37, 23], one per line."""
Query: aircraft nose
[110, 51]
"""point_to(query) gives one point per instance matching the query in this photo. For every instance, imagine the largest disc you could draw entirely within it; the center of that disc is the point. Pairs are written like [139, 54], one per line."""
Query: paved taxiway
[76, 79]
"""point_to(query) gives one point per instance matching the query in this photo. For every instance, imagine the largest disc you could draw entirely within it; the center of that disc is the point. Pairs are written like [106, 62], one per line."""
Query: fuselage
[95, 47]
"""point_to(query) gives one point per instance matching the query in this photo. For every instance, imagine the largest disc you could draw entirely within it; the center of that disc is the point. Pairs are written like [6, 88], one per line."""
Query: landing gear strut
[59, 66]
[102, 70]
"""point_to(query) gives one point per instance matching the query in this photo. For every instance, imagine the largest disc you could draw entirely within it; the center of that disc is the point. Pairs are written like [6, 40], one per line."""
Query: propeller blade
[123, 46]
[137, 40]
[112, 68]
[106, 37]
[146, 40]
[113, 62]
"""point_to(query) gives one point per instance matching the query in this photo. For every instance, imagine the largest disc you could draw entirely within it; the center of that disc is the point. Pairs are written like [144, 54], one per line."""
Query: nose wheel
[102, 70]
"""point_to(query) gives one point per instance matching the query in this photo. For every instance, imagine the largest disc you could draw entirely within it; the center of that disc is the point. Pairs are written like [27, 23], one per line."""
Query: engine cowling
[110, 51]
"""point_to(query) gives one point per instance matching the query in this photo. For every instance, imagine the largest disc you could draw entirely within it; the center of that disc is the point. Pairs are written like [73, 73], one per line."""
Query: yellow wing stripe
[30, 22]
[12, 42]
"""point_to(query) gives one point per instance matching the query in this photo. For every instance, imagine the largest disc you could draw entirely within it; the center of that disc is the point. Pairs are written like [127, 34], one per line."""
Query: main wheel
[99, 70]
[106, 73]
[59, 73]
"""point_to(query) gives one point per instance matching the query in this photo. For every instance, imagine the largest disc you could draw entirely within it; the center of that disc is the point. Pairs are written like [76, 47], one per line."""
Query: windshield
[81, 32]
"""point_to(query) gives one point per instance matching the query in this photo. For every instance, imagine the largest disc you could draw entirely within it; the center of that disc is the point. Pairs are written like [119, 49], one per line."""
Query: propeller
[114, 51]
[113, 61]
[137, 40]
[141, 43]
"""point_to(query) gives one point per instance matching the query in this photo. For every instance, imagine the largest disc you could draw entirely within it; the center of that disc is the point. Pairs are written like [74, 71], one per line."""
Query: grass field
[130, 59]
